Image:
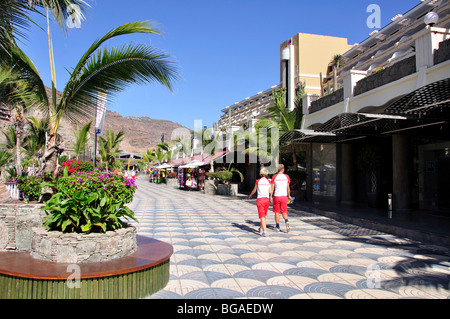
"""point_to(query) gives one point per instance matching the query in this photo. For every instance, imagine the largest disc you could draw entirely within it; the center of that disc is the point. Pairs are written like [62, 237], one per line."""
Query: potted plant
[224, 176]
[172, 180]
[86, 203]
[211, 175]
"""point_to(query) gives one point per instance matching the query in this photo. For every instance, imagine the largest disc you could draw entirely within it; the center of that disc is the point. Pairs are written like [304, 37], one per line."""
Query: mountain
[141, 133]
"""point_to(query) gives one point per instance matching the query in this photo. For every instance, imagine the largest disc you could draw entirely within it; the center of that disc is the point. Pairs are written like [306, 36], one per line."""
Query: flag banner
[101, 112]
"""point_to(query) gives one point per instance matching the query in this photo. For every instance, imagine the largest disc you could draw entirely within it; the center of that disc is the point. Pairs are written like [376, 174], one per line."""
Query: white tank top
[263, 187]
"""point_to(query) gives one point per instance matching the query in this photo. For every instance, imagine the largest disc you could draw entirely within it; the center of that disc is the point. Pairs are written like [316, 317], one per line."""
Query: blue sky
[225, 50]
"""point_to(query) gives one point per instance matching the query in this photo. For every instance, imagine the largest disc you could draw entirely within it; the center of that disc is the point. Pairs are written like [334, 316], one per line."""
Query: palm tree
[260, 143]
[13, 22]
[106, 69]
[81, 139]
[212, 142]
[34, 141]
[336, 62]
[282, 119]
[109, 147]
[5, 158]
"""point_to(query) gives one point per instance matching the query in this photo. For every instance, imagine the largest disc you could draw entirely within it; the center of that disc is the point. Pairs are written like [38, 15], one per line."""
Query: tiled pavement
[218, 253]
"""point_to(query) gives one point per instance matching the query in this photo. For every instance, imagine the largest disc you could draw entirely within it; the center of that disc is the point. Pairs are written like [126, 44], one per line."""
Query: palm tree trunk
[18, 155]
[334, 79]
[52, 150]
[294, 157]
[18, 126]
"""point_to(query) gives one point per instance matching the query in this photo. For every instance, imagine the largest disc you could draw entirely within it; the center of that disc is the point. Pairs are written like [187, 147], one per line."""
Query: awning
[429, 102]
[308, 136]
[361, 123]
[425, 107]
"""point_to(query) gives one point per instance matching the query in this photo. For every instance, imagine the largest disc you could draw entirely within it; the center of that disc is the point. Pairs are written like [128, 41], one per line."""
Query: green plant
[89, 202]
[74, 166]
[211, 174]
[224, 175]
[30, 187]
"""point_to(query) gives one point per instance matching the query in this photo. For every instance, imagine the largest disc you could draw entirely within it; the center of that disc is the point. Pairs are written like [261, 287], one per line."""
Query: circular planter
[72, 248]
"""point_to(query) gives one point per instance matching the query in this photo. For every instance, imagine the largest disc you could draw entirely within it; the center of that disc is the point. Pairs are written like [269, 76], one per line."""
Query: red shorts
[263, 206]
[280, 204]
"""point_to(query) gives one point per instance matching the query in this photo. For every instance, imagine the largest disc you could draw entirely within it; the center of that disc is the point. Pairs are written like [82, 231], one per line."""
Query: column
[347, 174]
[401, 177]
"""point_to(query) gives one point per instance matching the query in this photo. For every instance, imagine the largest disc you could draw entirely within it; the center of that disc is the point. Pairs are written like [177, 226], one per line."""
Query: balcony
[364, 89]
[395, 72]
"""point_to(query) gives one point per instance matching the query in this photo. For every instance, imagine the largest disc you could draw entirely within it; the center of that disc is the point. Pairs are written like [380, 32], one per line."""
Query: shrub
[211, 175]
[30, 186]
[224, 175]
[77, 166]
[89, 202]
[172, 175]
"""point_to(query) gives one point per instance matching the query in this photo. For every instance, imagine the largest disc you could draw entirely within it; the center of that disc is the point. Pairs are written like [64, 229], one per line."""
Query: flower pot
[16, 224]
[59, 247]
[211, 187]
[227, 189]
[172, 182]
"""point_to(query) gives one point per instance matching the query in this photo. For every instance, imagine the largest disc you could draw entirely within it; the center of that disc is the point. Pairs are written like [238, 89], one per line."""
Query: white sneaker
[264, 234]
[288, 227]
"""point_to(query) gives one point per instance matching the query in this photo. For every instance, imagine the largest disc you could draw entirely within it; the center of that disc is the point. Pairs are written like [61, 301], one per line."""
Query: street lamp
[431, 18]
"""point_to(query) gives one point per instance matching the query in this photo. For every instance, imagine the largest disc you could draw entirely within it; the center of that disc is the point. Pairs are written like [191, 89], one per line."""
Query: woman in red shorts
[263, 187]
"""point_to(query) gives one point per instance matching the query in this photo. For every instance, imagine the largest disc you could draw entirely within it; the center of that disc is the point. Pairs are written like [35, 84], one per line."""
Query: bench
[136, 276]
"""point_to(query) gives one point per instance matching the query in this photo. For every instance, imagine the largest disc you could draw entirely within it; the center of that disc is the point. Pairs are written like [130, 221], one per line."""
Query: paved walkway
[218, 253]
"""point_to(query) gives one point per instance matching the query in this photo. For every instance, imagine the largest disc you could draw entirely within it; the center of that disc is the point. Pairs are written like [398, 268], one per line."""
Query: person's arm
[253, 191]
[289, 188]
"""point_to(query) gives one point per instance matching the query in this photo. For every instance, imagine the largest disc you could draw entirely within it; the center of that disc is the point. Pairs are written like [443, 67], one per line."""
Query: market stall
[192, 176]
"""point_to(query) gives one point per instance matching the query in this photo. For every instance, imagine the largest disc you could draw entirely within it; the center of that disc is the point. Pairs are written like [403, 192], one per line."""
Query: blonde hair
[280, 167]
[264, 172]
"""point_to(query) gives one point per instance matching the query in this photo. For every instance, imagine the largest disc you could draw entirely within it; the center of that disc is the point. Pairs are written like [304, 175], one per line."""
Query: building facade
[303, 58]
[247, 110]
[385, 133]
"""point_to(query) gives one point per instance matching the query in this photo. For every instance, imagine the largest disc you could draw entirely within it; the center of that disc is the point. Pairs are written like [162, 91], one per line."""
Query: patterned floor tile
[218, 253]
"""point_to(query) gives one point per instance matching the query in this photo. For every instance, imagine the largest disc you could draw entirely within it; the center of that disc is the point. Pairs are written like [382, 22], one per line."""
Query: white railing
[13, 189]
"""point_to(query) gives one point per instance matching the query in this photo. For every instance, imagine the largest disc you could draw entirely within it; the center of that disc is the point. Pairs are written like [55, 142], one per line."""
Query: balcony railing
[431, 47]
[397, 71]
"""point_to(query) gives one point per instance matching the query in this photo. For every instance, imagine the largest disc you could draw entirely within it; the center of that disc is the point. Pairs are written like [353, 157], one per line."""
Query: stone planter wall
[172, 182]
[16, 223]
[211, 186]
[227, 189]
[327, 100]
[58, 247]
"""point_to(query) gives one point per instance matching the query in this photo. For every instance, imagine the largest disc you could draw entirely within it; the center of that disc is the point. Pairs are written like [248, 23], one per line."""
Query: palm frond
[14, 22]
[25, 70]
[113, 70]
[81, 138]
